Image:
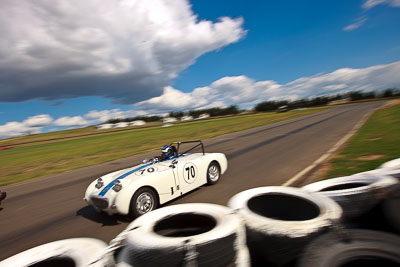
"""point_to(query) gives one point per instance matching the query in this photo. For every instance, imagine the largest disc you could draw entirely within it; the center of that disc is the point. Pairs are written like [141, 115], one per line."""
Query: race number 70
[191, 172]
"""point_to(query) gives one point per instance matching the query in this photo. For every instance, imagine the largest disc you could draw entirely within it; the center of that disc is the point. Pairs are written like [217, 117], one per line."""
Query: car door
[161, 176]
[189, 173]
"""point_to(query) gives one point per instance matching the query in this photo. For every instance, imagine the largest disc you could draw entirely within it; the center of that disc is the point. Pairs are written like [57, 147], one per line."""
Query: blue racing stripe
[111, 184]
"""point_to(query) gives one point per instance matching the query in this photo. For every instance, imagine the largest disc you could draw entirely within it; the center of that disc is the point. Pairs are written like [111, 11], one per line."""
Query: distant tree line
[213, 112]
[302, 103]
[179, 114]
[269, 105]
[138, 118]
[323, 100]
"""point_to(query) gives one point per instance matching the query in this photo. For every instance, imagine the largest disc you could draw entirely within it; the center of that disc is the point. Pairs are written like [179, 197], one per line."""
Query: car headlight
[117, 186]
[99, 184]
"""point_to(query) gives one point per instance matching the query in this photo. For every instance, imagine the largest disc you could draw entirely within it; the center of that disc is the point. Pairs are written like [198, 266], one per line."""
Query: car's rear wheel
[143, 201]
[213, 173]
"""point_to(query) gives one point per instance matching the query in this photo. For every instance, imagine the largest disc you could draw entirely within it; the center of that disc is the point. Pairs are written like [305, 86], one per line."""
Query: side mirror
[145, 161]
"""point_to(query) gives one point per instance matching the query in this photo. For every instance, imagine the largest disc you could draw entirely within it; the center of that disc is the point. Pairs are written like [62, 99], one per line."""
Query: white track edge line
[332, 150]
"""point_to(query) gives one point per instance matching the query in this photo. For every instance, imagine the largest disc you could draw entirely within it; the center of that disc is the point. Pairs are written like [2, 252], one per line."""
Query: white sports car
[142, 188]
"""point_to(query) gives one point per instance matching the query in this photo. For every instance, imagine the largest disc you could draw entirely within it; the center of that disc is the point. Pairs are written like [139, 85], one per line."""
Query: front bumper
[102, 204]
[99, 202]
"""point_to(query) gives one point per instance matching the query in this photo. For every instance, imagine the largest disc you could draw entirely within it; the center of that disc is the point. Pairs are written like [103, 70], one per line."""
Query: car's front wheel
[143, 201]
[213, 173]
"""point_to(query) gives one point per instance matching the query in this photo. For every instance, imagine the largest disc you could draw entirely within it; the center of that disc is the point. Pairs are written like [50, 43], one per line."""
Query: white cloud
[38, 120]
[31, 125]
[225, 91]
[372, 3]
[35, 124]
[170, 99]
[14, 129]
[365, 79]
[357, 24]
[125, 50]
[368, 5]
[104, 115]
[96, 116]
[242, 90]
[70, 121]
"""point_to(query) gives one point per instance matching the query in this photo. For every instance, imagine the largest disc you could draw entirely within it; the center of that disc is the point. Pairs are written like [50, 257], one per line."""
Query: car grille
[99, 202]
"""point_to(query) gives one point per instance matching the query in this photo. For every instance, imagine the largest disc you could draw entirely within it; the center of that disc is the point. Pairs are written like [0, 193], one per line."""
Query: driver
[167, 152]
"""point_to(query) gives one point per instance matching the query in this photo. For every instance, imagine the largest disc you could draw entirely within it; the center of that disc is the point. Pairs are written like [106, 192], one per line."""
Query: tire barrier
[184, 235]
[388, 172]
[280, 221]
[390, 168]
[392, 164]
[356, 194]
[74, 252]
[391, 210]
[352, 247]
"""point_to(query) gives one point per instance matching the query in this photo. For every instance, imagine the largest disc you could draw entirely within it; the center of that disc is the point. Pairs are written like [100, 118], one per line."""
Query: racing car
[140, 189]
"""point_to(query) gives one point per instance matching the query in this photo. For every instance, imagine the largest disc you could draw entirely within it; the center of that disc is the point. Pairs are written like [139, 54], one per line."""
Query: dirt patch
[391, 103]
[374, 139]
[370, 157]
[324, 168]
[316, 175]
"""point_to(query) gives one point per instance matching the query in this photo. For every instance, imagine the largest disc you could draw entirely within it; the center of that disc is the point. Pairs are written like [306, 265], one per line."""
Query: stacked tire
[280, 221]
[74, 252]
[370, 200]
[353, 247]
[184, 235]
[356, 194]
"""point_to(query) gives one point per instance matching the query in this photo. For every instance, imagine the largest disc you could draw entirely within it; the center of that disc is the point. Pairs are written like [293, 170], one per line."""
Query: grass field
[376, 142]
[49, 157]
[66, 134]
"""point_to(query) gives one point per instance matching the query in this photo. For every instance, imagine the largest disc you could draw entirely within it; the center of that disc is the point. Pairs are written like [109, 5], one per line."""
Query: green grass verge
[40, 159]
[376, 142]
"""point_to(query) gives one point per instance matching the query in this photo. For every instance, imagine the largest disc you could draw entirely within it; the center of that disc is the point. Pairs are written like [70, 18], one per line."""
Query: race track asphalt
[52, 208]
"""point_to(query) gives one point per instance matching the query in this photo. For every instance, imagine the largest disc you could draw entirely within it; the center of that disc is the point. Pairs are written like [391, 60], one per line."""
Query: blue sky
[104, 60]
[287, 40]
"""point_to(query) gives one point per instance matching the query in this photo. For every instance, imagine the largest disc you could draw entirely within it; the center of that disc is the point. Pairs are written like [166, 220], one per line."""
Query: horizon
[64, 66]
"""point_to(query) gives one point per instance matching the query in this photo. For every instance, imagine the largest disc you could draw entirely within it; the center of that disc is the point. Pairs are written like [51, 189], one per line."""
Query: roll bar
[200, 143]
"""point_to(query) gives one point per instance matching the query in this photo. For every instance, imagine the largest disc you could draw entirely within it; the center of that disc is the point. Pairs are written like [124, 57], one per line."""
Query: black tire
[213, 173]
[356, 194]
[390, 209]
[352, 247]
[280, 221]
[180, 235]
[141, 196]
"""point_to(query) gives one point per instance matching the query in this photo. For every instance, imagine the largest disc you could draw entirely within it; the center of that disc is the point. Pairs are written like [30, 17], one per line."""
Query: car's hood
[134, 172]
